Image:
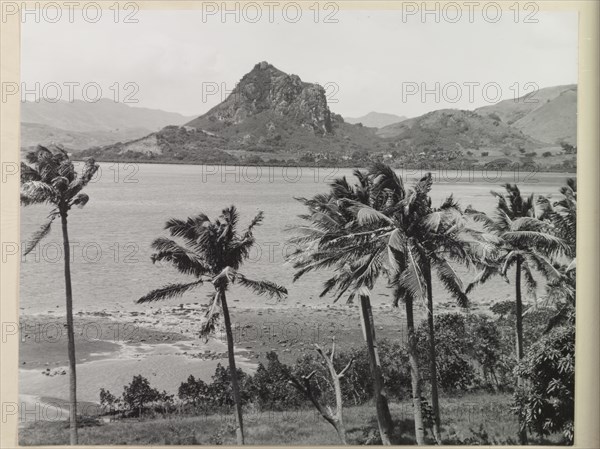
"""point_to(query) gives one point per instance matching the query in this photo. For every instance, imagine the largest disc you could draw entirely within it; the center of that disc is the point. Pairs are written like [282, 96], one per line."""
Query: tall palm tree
[427, 239]
[525, 243]
[212, 251]
[329, 240]
[50, 178]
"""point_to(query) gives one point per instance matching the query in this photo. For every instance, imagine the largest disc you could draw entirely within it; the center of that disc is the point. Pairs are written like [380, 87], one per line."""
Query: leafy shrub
[395, 369]
[220, 392]
[138, 394]
[108, 401]
[547, 400]
[469, 352]
[270, 388]
[193, 391]
[137, 397]
[454, 370]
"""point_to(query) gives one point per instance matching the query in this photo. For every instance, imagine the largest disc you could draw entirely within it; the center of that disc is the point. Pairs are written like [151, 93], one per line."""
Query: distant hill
[375, 119]
[104, 115]
[33, 134]
[79, 124]
[550, 115]
[456, 130]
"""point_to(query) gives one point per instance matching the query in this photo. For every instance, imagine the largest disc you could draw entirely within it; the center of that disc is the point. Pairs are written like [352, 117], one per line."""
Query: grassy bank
[470, 419]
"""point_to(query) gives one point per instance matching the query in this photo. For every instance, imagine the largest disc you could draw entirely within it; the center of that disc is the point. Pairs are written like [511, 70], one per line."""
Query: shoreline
[162, 344]
[440, 165]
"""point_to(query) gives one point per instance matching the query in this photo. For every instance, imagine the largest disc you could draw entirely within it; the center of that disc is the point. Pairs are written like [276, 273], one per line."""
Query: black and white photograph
[296, 223]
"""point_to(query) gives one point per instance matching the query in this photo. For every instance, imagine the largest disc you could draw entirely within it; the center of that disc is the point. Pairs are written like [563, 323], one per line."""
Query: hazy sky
[369, 60]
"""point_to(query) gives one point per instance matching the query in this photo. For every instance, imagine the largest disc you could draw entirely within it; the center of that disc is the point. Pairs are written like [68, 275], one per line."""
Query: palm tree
[562, 217]
[428, 243]
[329, 241]
[526, 243]
[425, 240]
[212, 251]
[50, 178]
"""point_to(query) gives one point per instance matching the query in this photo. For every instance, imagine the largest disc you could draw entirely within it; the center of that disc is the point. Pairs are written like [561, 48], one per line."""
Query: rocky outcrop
[268, 90]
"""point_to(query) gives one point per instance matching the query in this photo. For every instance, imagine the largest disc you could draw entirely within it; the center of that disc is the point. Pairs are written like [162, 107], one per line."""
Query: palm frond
[80, 200]
[340, 188]
[384, 177]
[262, 287]
[486, 273]
[231, 218]
[212, 317]
[509, 260]
[481, 217]
[39, 234]
[188, 229]
[530, 282]
[168, 291]
[528, 224]
[367, 216]
[544, 242]
[90, 168]
[185, 261]
[366, 270]
[451, 282]
[543, 265]
[411, 282]
[29, 173]
[37, 192]
[77, 184]
[423, 186]
[256, 221]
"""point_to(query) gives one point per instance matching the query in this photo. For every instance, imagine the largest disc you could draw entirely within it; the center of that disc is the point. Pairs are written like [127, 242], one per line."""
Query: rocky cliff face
[267, 90]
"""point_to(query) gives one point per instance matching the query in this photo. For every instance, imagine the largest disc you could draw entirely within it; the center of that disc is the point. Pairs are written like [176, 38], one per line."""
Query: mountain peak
[264, 65]
[270, 95]
[263, 69]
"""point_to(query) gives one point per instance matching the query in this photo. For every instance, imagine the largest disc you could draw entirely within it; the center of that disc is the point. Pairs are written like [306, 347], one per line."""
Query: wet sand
[162, 343]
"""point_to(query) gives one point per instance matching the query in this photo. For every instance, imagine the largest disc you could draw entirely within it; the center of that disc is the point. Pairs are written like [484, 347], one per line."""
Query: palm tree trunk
[414, 374]
[519, 340]
[384, 418]
[435, 403]
[70, 335]
[237, 399]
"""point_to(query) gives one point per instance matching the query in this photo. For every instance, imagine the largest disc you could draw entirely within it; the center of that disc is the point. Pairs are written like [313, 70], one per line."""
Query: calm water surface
[129, 205]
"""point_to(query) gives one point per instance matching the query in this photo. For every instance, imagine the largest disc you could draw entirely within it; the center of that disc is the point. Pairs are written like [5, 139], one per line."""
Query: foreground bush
[547, 401]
